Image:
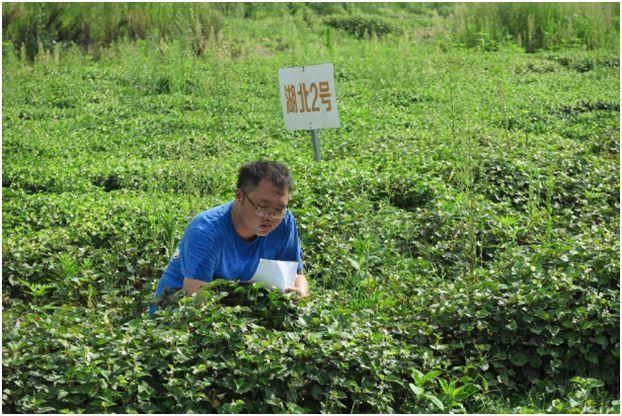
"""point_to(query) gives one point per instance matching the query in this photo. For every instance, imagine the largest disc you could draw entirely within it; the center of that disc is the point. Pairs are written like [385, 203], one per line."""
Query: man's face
[258, 202]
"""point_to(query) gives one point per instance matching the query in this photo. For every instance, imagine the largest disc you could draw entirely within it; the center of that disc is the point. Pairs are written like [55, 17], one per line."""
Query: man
[227, 241]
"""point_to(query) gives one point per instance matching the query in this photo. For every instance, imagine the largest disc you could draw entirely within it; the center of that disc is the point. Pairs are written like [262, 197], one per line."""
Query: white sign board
[308, 97]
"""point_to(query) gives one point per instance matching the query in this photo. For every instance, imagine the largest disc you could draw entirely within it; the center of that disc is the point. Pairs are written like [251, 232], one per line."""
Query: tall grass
[537, 26]
[36, 26]
[534, 26]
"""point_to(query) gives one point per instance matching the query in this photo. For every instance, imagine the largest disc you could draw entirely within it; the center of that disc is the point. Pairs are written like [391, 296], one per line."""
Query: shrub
[234, 348]
[22, 27]
[137, 22]
[535, 318]
[324, 9]
[539, 25]
[361, 26]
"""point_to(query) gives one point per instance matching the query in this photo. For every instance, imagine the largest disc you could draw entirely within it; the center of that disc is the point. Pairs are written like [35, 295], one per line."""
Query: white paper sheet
[276, 273]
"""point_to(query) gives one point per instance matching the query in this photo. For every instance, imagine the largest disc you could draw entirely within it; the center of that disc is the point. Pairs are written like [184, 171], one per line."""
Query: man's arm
[300, 285]
[193, 285]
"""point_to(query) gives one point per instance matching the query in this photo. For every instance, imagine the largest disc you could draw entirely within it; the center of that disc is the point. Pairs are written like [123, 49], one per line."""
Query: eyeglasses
[265, 213]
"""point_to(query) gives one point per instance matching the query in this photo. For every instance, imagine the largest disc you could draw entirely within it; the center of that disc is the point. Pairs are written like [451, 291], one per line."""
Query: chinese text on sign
[308, 97]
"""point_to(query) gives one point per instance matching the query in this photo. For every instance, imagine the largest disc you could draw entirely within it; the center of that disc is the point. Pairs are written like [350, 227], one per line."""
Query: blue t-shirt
[211, 248]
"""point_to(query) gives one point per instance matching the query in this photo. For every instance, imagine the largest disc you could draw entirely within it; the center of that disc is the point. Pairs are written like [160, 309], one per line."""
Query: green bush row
[242, 348]
[237, 349]
[362, 26]
[521, 323]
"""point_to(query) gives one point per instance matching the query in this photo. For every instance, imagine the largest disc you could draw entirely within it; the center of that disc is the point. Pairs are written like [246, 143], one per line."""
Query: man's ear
[238, 195]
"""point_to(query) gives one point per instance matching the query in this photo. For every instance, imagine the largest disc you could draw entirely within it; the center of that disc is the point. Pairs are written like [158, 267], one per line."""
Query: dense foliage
[361, 26]
[234, 348]
[461, 234]
[33, 27]
[237, 349]
[538, 25]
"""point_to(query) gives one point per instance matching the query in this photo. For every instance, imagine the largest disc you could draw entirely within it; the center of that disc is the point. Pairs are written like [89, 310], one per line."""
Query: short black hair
[277, 173]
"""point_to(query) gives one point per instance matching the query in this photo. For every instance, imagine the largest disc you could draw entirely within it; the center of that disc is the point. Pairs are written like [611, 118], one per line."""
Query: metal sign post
[316, 144]
[308, 100]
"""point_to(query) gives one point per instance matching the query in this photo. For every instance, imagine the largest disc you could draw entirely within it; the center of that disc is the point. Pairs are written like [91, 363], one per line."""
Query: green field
[460, 235]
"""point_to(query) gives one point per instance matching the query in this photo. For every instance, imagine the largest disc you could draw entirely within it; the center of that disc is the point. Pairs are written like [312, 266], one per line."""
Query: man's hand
[193, 285]
[300, 287]
[301, 293]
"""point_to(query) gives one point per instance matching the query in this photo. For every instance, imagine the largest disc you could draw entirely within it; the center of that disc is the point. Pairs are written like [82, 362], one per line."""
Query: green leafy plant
[361, 26]
[463, 221]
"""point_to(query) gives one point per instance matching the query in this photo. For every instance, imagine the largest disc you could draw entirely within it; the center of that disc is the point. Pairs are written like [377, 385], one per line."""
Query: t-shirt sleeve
[198, 252]
[291, 249]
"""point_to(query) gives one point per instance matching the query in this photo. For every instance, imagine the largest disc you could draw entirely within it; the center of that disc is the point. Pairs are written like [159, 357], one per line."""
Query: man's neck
[244, 233]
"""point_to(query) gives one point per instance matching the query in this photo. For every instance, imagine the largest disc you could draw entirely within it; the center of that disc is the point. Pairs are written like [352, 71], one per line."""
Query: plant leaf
[436, 401]
[519, 359]
[415, 389]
